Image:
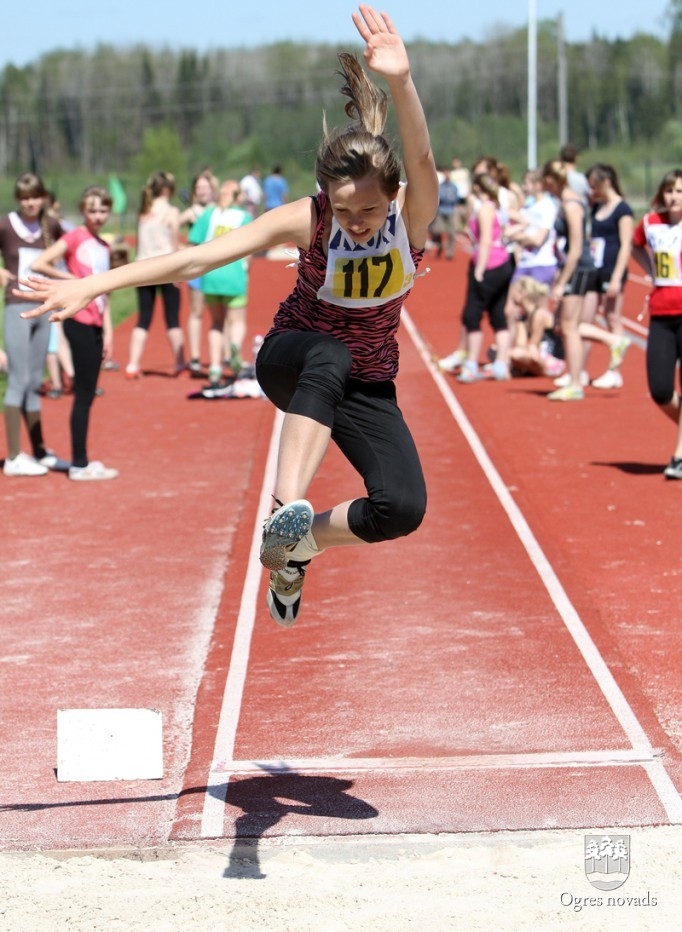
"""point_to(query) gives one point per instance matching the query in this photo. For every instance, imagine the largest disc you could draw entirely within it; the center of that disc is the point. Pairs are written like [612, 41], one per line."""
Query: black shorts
[582, 281]
[603, 277]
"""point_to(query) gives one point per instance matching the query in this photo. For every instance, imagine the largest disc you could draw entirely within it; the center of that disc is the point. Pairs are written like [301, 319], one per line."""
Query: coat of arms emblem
[607, 860]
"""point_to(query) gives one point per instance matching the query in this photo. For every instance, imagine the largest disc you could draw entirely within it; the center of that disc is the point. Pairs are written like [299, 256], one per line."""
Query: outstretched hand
[385, 53]
[64, 297]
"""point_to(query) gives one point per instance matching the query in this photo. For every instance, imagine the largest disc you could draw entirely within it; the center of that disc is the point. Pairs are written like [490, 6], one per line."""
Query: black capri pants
[663, 349]
[489, 295]
[86, 342]
[170, 295]
[307, 373]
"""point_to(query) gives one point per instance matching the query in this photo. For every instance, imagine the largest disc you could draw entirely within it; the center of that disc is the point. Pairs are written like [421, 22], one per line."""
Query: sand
[509, 881]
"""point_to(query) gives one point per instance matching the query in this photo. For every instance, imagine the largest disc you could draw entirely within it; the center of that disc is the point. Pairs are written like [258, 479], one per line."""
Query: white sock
[305, 549]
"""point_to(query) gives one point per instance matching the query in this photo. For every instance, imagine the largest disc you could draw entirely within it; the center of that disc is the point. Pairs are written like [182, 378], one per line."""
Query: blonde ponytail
[358, 149]
[367, 104]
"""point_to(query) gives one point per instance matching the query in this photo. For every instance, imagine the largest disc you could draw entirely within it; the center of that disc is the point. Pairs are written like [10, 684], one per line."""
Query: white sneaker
[610, 379]
[93, 472]
[23, 465]
[468, 373]
[453, 362]
[565, 380]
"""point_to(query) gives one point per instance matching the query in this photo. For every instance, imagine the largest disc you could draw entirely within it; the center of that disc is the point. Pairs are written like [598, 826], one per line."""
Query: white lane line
[665, 789]
[212, 820]
[546, 759]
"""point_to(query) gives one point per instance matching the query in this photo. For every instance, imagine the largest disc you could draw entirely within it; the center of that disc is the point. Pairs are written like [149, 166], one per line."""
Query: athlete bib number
[665, 265]
[369, 277]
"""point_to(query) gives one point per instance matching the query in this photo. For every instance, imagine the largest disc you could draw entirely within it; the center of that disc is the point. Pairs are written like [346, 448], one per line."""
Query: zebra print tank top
[369, 332]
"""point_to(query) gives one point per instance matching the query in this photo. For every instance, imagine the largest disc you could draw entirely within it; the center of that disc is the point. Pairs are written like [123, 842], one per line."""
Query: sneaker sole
[283, 530]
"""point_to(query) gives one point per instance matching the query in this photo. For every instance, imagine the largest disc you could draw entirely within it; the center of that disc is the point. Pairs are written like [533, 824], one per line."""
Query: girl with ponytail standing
[158, 228]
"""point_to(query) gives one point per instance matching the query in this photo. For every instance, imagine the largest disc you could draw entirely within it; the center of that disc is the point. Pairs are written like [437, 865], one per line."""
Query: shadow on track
[634, 469]
[266, 800]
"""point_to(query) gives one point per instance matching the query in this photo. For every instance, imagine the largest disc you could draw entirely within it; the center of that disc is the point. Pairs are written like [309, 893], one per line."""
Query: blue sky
[176, 24]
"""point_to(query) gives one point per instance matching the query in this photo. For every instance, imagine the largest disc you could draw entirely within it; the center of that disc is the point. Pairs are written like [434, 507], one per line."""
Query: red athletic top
[665, 242]
[368, 332]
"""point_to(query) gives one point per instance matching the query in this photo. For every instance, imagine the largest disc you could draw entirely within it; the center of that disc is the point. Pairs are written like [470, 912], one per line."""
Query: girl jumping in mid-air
[331, 358]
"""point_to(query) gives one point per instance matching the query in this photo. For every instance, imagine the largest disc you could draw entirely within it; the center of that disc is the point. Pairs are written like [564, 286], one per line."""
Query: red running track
[512, 665]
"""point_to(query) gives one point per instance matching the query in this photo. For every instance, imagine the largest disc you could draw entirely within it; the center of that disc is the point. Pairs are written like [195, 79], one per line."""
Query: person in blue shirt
[443, 227]
[275, 189]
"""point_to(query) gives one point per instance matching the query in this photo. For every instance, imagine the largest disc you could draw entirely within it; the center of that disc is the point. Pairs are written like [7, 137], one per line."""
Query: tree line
[123, 109]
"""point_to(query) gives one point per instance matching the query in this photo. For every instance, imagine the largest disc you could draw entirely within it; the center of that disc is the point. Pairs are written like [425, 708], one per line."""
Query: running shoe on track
[618, 351]
[567, 393]
[674, 469]
[453, 362]
[284, 594]
[610, 379]
[282, 531]
[23, 465]
[565, 380]
[468, 373]
[93, 472]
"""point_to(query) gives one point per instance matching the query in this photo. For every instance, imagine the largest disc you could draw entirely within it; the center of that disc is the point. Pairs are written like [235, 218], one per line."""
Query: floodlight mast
[532, 84]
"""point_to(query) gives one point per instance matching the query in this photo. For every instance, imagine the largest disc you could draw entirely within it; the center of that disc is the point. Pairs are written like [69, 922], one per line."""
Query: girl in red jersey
[657, 247]
[331, 358]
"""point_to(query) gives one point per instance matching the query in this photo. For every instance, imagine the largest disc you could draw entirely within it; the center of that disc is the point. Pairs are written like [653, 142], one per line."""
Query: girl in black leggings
[331, 357]
[89, 333]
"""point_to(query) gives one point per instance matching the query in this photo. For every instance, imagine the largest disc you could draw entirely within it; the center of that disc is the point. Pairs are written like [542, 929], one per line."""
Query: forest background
[79, 118]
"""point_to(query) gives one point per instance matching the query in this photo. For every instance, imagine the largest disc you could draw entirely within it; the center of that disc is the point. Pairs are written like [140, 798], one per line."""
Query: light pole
[532, 84]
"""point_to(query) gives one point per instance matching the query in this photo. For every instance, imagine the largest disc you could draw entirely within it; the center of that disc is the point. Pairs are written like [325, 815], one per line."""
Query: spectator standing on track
[158, 230]
[611, 243]
[275, 189]
[225, 288]
[657, 247]
[490, 272]
[331, 357]
[24, 234]
[89, 333]
[204, 193]
[443, 227]
[507, 204]
[576, 275]
[252, 191]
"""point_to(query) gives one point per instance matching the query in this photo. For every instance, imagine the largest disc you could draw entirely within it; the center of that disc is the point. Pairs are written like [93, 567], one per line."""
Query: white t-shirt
[540, 216]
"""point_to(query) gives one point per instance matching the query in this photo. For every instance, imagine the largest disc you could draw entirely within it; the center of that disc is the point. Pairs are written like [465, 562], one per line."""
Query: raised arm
[385, 54]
